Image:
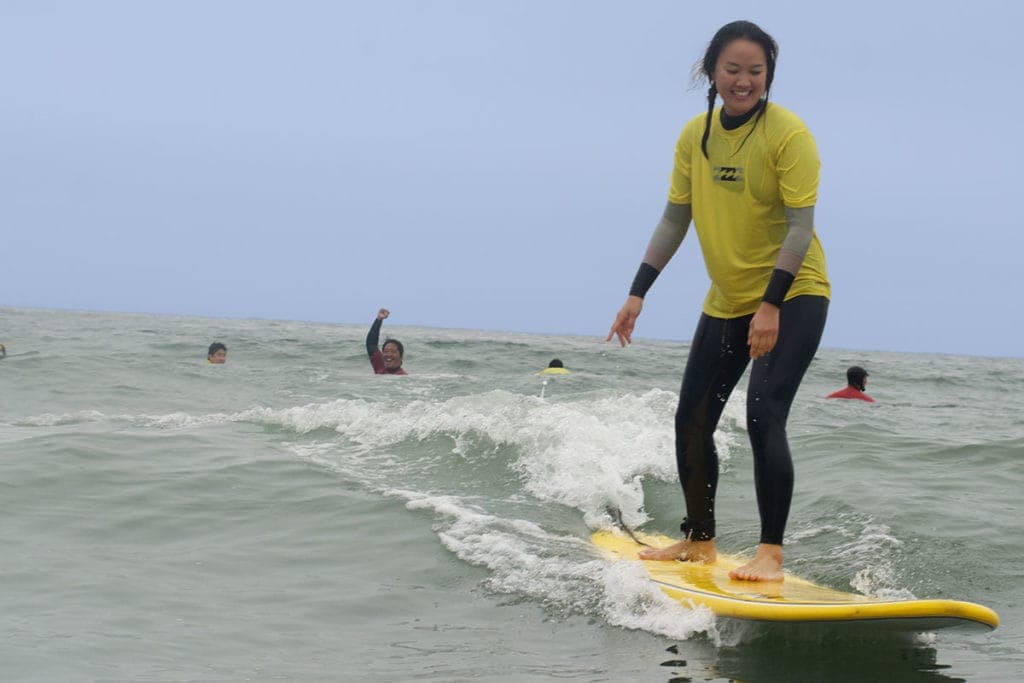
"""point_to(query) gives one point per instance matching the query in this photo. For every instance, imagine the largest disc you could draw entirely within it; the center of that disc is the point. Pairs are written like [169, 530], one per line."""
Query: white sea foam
[51, 420]
[872, 551]
[559, 570]
[631, 600]
[588, 454]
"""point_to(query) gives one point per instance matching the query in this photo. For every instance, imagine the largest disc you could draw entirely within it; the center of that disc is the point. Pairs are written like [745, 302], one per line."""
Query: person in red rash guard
[856, 380]
[389, 360]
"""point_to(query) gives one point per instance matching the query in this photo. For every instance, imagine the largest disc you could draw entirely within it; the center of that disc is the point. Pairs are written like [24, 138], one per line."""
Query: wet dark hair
[555, 364]
[215, 347]
[735, 30]
[855, 377]
[401, 349]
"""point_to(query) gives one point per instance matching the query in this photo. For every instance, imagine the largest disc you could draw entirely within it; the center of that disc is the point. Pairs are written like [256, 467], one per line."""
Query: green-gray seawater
[289, 515]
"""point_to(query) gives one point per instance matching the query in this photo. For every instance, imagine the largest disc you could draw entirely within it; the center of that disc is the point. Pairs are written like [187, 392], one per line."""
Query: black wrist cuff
[646, 274]
[778, 287]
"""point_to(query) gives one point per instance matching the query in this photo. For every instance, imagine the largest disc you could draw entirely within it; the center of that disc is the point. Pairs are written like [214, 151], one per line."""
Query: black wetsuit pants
[717, 359]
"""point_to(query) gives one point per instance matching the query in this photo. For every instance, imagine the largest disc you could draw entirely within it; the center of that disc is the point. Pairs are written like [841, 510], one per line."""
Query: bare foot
[766, 565]
[688, 551]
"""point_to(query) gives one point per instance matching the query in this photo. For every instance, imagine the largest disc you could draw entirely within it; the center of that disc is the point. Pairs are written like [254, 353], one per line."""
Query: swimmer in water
[218, 354]
[555, 367]
[857, 379]
[386, 361]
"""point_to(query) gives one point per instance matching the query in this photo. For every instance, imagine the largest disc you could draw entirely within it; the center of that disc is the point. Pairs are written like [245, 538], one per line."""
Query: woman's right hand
[625, 319]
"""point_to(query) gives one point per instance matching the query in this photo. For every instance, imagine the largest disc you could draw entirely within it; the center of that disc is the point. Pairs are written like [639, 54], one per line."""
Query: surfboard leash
[616, 515]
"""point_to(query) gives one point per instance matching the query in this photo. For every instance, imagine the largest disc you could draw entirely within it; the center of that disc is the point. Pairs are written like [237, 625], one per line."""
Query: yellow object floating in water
[553, 371]
[794, 600]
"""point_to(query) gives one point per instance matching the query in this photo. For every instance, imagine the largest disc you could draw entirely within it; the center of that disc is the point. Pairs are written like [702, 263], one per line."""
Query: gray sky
[492, 165]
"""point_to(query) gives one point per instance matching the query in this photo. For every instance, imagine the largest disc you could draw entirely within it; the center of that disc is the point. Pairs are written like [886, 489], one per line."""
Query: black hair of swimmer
[215, 347]
[855, 377]
[398, 345]
[555, 364]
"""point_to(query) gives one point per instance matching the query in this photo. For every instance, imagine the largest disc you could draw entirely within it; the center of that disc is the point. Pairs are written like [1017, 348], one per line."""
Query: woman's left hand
[764, 330]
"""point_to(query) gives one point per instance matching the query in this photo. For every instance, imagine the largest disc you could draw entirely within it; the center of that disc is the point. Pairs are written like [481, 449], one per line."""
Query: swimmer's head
[393, 353]
[555, 363]
[218, 353]
[856, 376]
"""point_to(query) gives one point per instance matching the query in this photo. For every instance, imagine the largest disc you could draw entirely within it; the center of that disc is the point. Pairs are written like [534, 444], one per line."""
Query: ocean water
[290, 516]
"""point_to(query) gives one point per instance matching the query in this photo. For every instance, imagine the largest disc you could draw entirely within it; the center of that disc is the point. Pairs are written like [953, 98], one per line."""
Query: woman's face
[740, 76]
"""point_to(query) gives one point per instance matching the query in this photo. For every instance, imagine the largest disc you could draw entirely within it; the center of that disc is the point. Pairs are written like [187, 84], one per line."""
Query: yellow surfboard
[793, 600]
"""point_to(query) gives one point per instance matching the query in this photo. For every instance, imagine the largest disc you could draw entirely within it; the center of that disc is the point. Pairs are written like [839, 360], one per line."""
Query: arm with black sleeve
[791, 255]
[667, 237]
[373, 337]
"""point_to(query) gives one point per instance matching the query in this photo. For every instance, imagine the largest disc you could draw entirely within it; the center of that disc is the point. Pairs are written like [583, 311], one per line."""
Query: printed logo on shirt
[729, 174]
